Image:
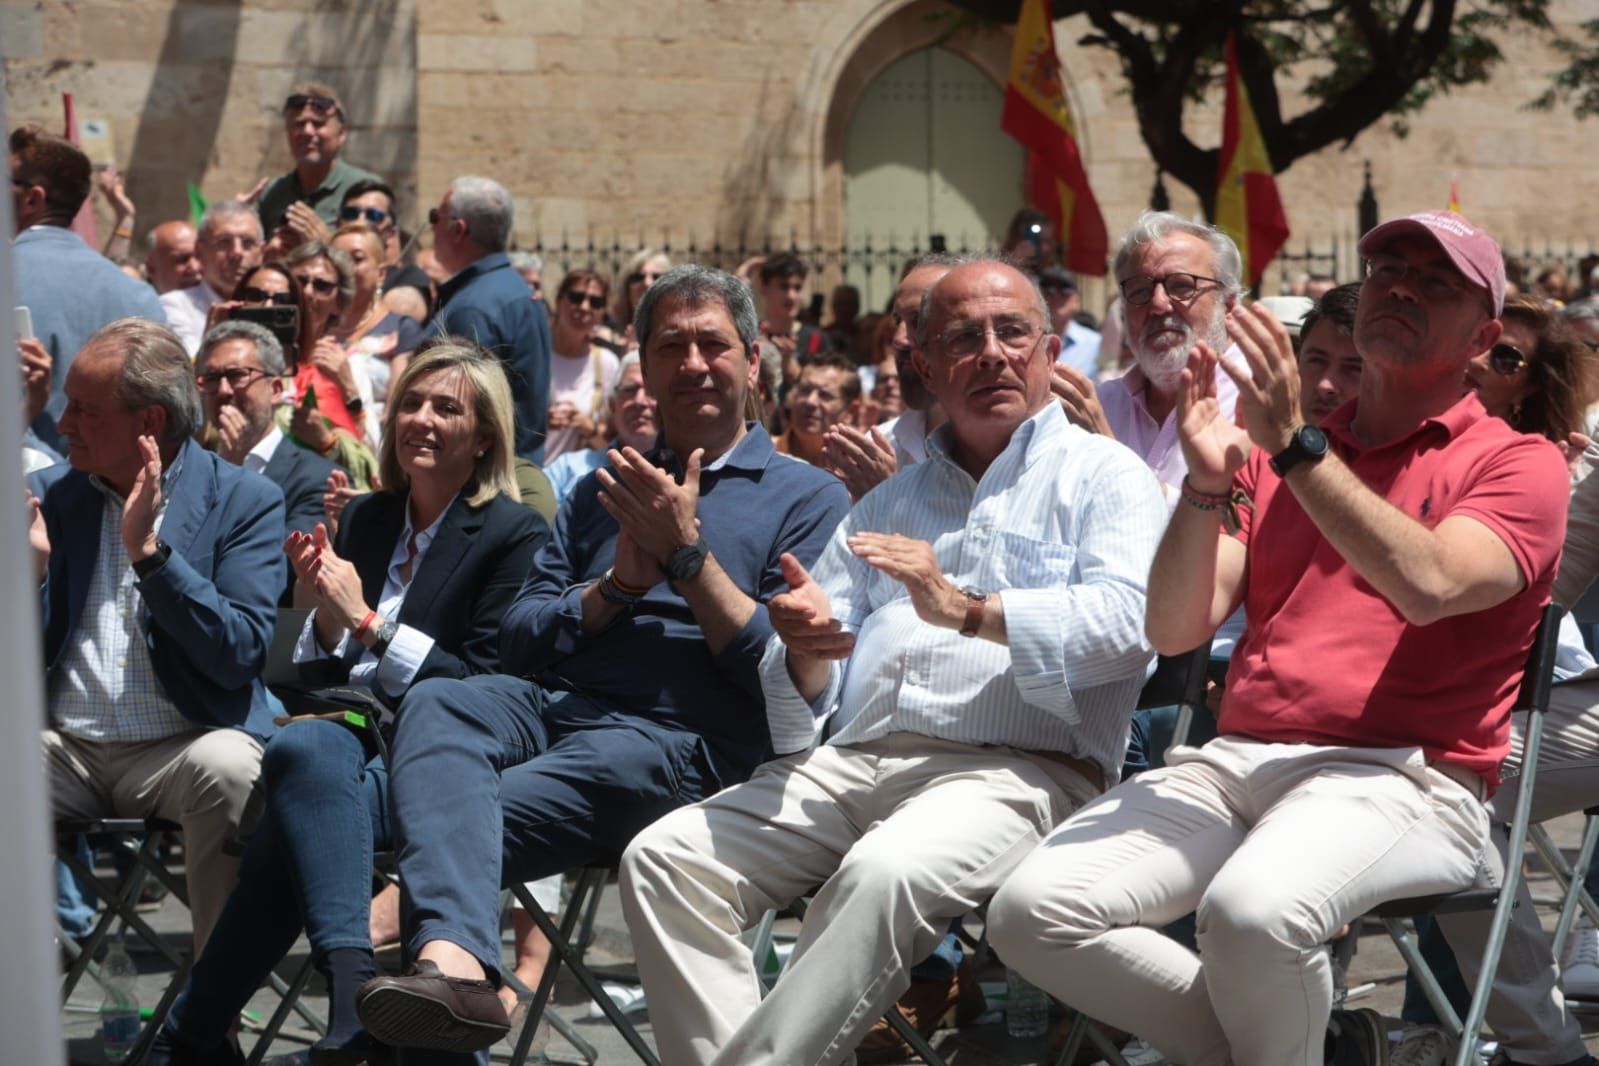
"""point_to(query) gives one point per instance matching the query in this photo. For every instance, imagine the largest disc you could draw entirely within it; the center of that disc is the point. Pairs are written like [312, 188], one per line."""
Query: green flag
[196, 203]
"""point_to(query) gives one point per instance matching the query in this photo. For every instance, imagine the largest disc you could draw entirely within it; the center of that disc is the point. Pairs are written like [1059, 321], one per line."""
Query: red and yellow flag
[1036, 115]
[1454, 196]
[1247, 205]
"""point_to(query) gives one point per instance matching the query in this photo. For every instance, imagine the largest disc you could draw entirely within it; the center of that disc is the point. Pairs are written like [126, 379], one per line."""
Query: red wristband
[360, 630]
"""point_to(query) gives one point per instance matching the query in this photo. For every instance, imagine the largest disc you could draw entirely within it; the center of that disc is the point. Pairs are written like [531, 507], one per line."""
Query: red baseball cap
[1475, 254]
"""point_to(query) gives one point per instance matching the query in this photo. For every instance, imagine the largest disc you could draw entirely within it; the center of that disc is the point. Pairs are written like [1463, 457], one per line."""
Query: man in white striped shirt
[974, 632]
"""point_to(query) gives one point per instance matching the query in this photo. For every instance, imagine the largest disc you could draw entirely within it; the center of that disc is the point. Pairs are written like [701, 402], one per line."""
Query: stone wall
[711, 119]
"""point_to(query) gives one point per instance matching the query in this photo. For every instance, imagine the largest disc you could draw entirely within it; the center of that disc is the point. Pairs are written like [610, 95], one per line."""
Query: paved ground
[978, 1045]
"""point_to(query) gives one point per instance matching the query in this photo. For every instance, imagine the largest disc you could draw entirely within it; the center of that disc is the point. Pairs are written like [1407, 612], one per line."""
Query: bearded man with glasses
[1178, 280]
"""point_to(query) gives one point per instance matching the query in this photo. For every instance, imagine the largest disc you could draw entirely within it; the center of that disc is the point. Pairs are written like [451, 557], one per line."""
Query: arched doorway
[924, 158]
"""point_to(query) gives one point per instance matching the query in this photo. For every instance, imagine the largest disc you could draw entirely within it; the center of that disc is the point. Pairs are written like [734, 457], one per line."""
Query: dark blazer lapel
[192, 499]
[450, 545]
[81, 518]
[371, 551]
[285, 457]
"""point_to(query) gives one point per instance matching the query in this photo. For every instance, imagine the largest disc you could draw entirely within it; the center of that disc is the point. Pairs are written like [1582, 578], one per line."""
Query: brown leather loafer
[425, 1009]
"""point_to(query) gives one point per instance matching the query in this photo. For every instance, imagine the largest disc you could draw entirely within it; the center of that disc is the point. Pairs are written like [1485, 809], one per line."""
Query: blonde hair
[365, 231]
[494, 472]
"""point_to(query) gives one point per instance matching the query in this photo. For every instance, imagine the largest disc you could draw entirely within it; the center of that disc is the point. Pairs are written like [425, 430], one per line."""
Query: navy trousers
[496, 781]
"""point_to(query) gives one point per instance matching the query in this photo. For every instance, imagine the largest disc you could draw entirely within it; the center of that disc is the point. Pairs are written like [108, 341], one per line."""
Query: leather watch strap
[974, 613]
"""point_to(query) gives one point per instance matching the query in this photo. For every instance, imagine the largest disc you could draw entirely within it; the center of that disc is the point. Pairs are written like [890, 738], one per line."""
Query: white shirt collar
[258, 457]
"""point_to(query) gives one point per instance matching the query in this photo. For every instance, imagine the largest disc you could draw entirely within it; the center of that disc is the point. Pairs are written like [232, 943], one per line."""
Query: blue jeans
[75, 900]
[308, 865]
[497, 781]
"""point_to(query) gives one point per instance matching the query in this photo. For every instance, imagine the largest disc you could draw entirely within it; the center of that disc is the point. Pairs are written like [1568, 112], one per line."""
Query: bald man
[170, 262]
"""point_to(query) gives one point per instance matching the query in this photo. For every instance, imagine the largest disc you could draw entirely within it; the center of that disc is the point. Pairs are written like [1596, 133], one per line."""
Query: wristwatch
[687, 561]
[385, 636]
[976, 600]
[154, 561]
[1307, 445]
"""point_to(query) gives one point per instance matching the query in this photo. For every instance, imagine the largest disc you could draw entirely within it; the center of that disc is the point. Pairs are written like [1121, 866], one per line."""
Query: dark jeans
[308, 865]
[497, 781]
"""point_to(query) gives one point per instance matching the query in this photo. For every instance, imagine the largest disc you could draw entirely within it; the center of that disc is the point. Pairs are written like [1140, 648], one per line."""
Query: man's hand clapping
[657, 513]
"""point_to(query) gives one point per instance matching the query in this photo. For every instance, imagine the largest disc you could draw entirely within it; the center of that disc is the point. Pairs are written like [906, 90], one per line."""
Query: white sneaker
[1579, 966]
[1419, 1047]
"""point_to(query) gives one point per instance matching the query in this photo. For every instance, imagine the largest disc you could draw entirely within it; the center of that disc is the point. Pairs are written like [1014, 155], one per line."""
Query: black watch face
[686, 561]
[1312, 440]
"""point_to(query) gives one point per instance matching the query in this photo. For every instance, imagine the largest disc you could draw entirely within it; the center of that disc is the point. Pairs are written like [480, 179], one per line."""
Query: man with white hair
[484, 300]
[1178, 280]
[228, 247]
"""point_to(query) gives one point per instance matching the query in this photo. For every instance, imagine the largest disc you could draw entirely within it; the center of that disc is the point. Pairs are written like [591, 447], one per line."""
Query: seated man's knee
[655, 852]
[1239, 922]
[297, 750]
[1036, 904]
[437, 703]
[227, 761]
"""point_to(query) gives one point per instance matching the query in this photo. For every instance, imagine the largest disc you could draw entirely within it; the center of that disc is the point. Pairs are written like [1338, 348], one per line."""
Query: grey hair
[229, 208]
[630, 359]
[486, 207]
[1155, 227]
[343, 265]
[156, 372]
[1582, 311]
[267, 348]
[696, 285]
[953, 261]
[521, 260]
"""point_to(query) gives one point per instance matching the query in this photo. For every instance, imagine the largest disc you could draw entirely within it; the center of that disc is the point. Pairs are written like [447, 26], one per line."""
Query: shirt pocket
[1027, 562]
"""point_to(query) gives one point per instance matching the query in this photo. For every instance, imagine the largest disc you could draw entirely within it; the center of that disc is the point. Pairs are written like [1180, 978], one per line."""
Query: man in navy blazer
[241, 371]
[486, 302]
[71, 289]
[161, 567]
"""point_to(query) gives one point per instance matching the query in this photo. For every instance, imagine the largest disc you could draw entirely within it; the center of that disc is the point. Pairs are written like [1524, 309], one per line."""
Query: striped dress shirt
[1063, 527]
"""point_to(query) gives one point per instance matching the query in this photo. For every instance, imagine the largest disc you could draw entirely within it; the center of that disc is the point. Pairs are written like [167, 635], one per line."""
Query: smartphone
[22, 322]
[282, 322]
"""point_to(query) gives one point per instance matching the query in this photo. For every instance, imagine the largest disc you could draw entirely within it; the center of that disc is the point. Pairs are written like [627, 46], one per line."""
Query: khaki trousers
[1276, 846]
[202, 780]
[903, 834]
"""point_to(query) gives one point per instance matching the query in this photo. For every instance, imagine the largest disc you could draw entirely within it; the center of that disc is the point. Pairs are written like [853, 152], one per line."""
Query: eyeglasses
[964, 341]
[322, 105]
[1436, 284]
[1180, 288]
[322, 286]
[252, 295]
[238, 378]
[1507, 359]
[578, 299]
[375, 215]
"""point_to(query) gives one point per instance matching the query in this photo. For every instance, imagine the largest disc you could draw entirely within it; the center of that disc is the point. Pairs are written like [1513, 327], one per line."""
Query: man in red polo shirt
[1393, 565]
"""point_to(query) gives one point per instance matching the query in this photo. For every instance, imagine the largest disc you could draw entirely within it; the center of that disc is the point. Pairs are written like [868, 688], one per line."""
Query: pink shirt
[1326, 660]
[1127, 411]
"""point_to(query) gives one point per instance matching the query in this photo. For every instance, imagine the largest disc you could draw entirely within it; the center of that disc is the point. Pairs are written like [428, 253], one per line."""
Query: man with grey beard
[1178, 280]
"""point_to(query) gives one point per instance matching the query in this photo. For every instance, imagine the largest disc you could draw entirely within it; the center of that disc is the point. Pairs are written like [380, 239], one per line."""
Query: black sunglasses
[321, 285]
[375, 215]
[322, 105]
[1506, 359]
[577, 299]
[253, 295]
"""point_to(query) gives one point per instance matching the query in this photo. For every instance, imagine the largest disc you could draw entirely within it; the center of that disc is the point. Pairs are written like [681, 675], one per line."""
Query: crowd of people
[662, 570]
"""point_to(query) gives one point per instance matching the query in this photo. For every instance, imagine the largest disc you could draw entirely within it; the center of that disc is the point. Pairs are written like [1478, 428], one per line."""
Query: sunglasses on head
[1506, 359]
[322, 105]
[253, 295]
[322, 286]
[375, 215]
[578, 299]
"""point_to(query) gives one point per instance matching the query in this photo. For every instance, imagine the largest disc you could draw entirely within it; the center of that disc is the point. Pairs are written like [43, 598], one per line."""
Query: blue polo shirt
[653, 662]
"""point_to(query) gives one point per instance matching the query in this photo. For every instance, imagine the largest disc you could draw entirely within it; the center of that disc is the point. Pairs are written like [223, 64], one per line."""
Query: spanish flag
[1035, 114]
[1247, 205]
[1454, 195]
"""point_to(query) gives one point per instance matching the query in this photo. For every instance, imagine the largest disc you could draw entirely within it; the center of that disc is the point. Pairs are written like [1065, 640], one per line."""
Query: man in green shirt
[315, 123]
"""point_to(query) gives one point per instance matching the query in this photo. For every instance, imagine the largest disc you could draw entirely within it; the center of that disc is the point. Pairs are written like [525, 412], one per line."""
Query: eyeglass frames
[578, 299]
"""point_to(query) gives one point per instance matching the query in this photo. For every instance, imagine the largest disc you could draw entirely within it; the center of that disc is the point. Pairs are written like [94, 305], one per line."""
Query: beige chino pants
[902, 834]
[202, 780]
[1276, 846]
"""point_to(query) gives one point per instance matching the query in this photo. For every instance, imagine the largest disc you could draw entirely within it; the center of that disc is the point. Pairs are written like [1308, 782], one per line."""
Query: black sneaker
[1359, 1038]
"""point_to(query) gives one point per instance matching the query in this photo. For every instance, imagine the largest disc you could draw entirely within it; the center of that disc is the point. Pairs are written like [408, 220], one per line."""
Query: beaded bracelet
[1225, 502]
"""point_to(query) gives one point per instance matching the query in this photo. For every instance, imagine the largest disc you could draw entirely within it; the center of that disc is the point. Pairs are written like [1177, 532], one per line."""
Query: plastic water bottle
[119, 1011]
[1026, 1007]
